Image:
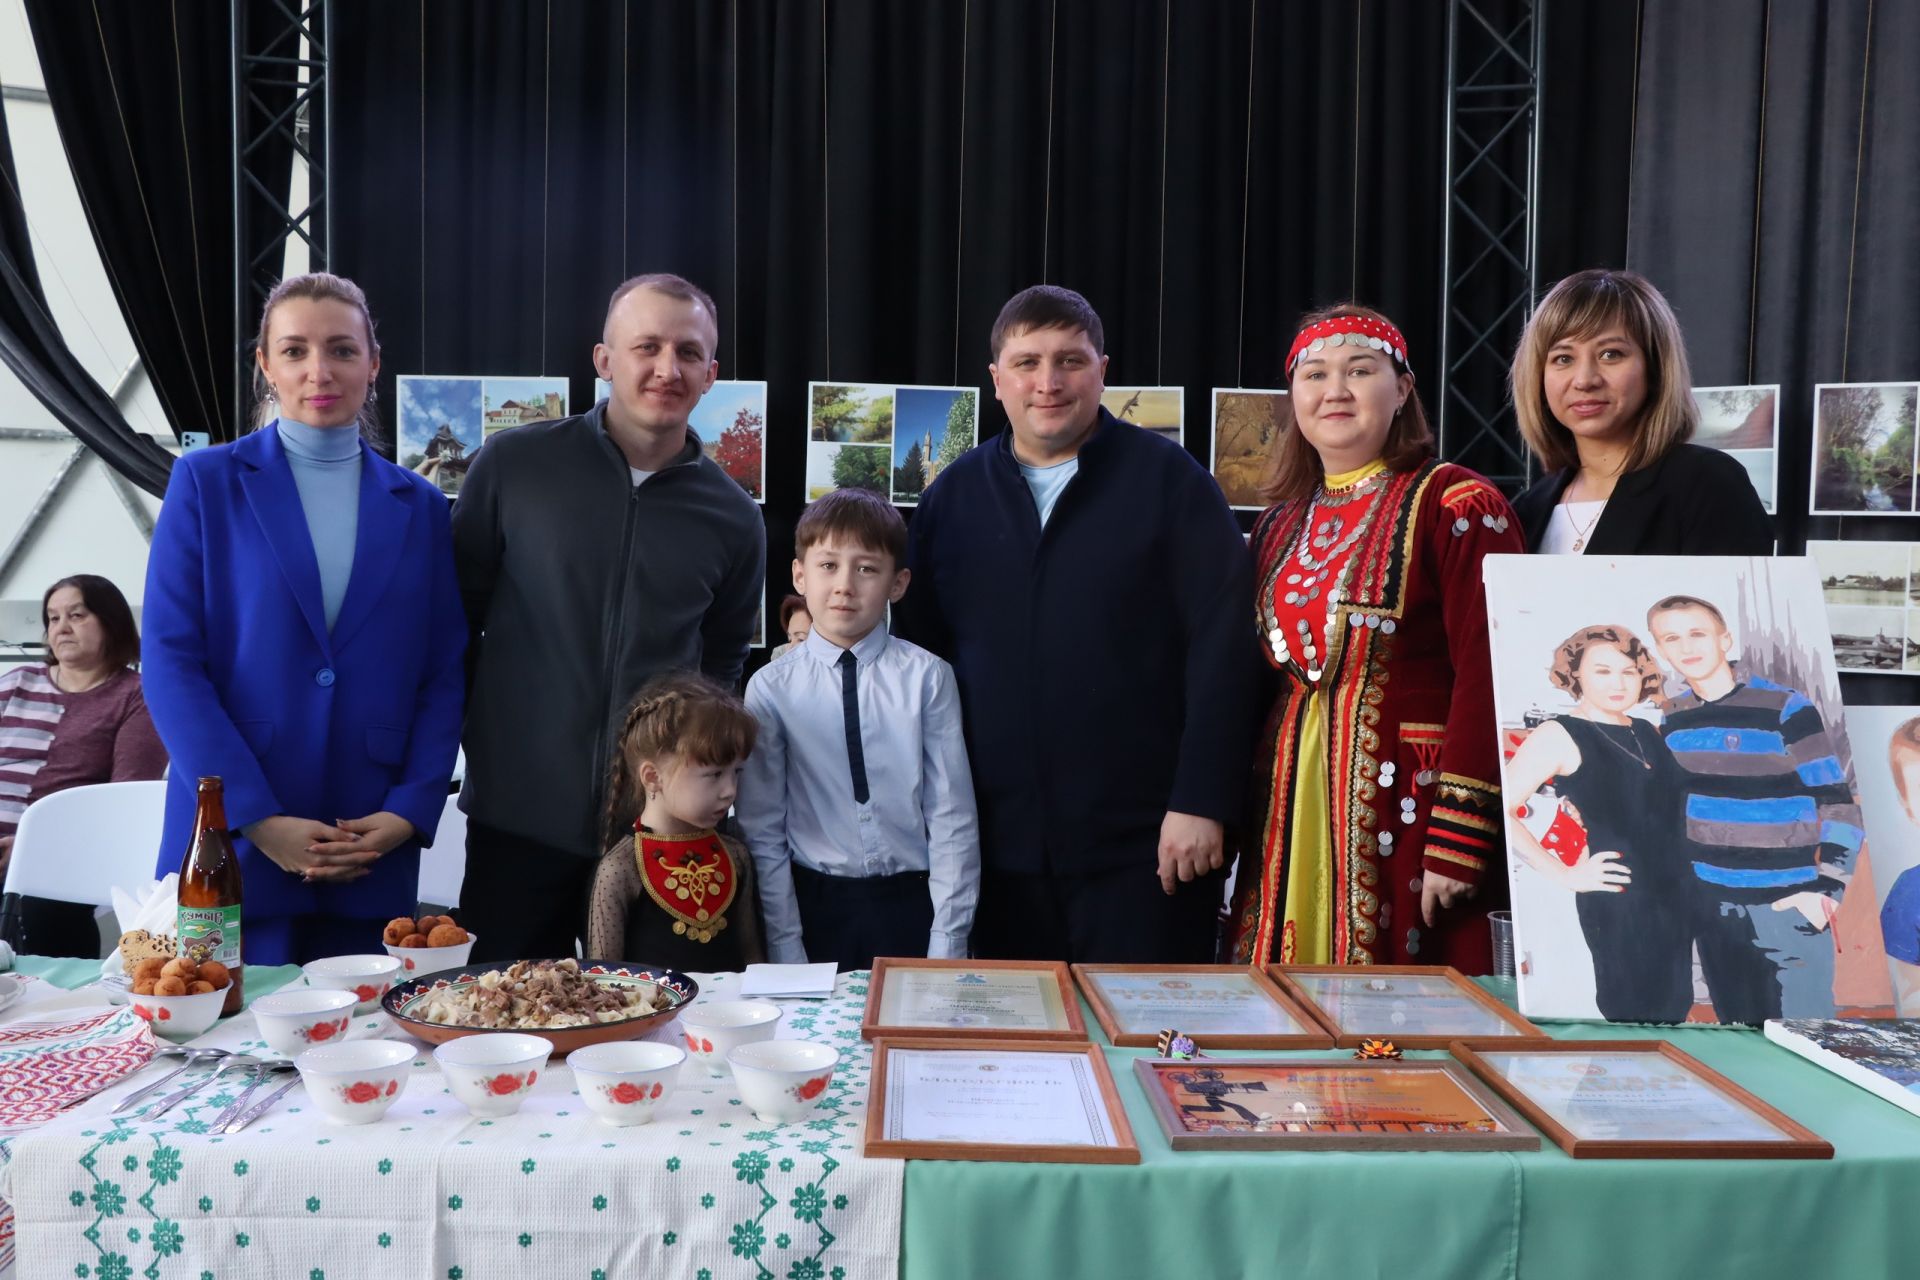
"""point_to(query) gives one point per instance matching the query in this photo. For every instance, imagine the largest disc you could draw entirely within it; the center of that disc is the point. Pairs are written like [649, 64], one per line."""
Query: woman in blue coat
[304, 641]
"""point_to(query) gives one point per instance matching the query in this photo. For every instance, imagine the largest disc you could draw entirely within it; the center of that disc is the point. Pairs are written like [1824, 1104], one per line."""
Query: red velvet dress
[1386, 764]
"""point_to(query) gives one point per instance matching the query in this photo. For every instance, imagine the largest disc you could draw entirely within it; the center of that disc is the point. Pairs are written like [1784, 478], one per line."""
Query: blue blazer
[244, 680]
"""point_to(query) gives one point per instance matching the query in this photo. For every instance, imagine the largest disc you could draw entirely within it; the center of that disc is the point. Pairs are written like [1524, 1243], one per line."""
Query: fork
[173, 1099]
[263, 1068]
[192, 1057]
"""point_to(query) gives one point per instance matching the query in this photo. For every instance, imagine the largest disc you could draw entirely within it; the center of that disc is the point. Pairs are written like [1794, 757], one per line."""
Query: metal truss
[279, 47]
[1494, 60]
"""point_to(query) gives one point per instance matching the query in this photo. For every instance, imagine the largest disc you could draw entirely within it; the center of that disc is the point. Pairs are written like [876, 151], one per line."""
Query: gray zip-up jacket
[579, 586]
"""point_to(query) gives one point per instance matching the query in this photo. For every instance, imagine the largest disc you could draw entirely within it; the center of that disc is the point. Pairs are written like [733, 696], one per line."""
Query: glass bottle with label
[209, 917]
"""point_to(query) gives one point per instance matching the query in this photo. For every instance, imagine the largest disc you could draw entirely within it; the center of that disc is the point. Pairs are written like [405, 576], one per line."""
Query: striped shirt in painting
[1766, 798]
[30, 709]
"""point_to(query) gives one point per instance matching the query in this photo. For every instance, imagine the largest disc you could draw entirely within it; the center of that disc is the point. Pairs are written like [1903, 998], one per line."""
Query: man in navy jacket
[1092, 591]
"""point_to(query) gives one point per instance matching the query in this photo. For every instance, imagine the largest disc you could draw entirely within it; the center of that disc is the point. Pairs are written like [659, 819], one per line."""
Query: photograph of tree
[439, 427]
[932, 426]
[1159, 409]
[847, 466]
[1744, 424]
[849, 413]
[1863, 448]
[1246, 422]
[1872, 590]
[731, 421]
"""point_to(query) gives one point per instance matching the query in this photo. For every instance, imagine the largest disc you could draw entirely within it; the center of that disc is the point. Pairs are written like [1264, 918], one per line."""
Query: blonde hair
[316, 286]
[1581, 306]
[682, 717]
[1296, 469]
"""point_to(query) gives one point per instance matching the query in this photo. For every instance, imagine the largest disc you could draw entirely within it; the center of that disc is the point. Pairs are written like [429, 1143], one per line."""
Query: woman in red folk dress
[1377, 799]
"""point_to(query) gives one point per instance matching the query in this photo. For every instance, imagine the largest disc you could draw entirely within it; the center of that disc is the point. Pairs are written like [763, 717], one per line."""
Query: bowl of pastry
[571, 1003]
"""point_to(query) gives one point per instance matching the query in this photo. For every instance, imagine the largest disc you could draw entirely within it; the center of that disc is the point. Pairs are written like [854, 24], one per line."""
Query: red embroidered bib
[691, 877]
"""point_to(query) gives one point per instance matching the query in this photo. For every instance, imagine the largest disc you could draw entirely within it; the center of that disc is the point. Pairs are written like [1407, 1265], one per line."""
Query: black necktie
[850, 708]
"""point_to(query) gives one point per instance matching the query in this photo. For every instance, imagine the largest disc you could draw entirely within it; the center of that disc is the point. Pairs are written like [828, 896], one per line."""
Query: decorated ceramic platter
[569, 1002]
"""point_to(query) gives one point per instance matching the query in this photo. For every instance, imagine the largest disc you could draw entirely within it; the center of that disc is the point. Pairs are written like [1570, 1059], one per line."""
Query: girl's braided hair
[677, 718]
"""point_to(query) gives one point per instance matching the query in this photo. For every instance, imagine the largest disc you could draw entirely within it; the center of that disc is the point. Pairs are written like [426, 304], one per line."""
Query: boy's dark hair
[1046, 306]
[682, 715]
[859, 515]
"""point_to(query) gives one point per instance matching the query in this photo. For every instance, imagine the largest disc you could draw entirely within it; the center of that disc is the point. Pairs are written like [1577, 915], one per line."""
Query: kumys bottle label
[211, 933]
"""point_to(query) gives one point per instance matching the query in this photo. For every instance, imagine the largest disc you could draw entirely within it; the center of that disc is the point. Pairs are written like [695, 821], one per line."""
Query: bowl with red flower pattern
[368, 977]
[354, 1082]
[296, 1020]
[782, 1081]
[492, 1074]
[714, 1028]
[179, 1017]
[625, 1081]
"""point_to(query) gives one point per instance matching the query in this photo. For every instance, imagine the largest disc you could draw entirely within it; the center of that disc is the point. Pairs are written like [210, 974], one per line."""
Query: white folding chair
[79, 844]
[443, 867]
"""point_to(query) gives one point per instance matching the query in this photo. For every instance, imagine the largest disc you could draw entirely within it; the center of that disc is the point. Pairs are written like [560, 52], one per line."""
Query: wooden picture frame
[1312, 1035]
[1795, 1141]
[1163, 1079]
[886, 1096]
[1349, 1035]
[1059, 1003]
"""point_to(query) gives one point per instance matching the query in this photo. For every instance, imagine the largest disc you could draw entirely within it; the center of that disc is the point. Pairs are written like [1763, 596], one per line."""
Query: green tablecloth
[1267, 1214]
[260, 980]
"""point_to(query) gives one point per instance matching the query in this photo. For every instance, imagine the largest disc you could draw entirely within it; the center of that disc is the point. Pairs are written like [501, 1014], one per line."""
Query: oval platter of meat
[570, 1002]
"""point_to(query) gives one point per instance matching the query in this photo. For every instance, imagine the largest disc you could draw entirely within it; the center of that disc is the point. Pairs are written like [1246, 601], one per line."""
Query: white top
[1047, 484]
[796, 794]
[639, 477]
[1570, 520]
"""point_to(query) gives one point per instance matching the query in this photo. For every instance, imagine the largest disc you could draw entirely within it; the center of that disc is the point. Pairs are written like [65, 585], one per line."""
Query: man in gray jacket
[594, 552]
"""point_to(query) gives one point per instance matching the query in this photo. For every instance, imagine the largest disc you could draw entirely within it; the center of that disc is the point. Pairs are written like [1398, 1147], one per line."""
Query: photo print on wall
[893, 439]
[1864, 448]
[1744, 424]
[1161, 410]
[1872, 590]
[1886, 743]
[1246, 422]
[1684, 838]
[731, 421]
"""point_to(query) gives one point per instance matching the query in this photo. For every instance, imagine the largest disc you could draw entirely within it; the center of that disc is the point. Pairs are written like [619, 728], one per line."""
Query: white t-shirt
[1570, 521]
[640, 477]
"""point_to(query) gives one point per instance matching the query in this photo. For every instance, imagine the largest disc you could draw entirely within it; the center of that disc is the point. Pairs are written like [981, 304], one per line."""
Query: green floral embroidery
[133, 1235]
[166, 1237]
[703, 1274]
[385, 1240]
[673, 1164]
[243, 1239]
[454, 1202]
[107, 1198]
[782, 1240]
[809, 1202]
[165, 1165]
[525, 1239]
[599, 1202]
[838, 1273]
[239, 1168]
[206, 1204]
[316, 1274]
[747, 1240]
[599, 1274]
[786, 1165]
[706, 1201]
[669, 1239]
[385, 1166]
[750, 1166]
[113, 1267]
[313, 1204]
[805, 1269]
[455, 1273]
[526, 1166]
[130, 1163]
[76, 1198]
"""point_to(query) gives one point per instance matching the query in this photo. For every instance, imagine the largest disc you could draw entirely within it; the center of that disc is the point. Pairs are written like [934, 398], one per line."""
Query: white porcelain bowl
[713, 1029]
[417, 960]
[180, 1017]
[783, 1080]
[625, 1081]
[492, 1074]
[294, 1021]
[368, 977]
[355, 1082]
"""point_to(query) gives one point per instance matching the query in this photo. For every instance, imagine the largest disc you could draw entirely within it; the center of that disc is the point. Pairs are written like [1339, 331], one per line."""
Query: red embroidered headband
[1353, 331]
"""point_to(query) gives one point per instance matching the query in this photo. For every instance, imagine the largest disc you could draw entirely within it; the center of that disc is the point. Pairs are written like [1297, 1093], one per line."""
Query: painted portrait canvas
[1684, 839]
[1886, 741]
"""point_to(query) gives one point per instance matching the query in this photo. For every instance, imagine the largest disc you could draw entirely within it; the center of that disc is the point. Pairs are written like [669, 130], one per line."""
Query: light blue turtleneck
[326, 471]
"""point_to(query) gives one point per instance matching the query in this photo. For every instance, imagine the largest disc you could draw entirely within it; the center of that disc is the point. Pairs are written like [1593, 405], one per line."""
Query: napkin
[803, 981]
[155, 909]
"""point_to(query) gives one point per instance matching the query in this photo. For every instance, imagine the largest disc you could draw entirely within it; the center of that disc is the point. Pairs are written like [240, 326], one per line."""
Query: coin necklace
[1334, 542]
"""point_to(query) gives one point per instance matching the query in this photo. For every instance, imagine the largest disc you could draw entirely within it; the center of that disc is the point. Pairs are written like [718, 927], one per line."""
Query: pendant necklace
[1334, 542]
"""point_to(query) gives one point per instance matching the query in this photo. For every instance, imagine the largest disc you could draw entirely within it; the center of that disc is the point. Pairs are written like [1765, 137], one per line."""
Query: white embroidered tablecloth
[706, 1191]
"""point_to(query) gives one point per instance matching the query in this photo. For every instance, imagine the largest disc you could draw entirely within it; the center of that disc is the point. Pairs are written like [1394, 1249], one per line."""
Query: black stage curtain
[31, 346]
[1775, 178]
[142, 94]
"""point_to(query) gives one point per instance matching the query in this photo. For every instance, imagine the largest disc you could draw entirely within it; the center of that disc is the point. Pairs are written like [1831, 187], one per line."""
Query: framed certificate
[1415, 1006]
[1224, 1006]
[1636, 1099]
[969, 999]
[1011, 1100]
[1269, 1103]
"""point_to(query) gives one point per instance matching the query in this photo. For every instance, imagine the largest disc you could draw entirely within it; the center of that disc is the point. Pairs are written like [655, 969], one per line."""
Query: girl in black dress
[1614, 775]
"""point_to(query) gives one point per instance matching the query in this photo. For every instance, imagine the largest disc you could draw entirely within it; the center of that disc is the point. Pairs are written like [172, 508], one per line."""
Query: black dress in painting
[1629, 790]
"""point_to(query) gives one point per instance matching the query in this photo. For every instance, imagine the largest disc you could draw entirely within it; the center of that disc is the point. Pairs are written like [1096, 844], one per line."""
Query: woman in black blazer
[1605, 401]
